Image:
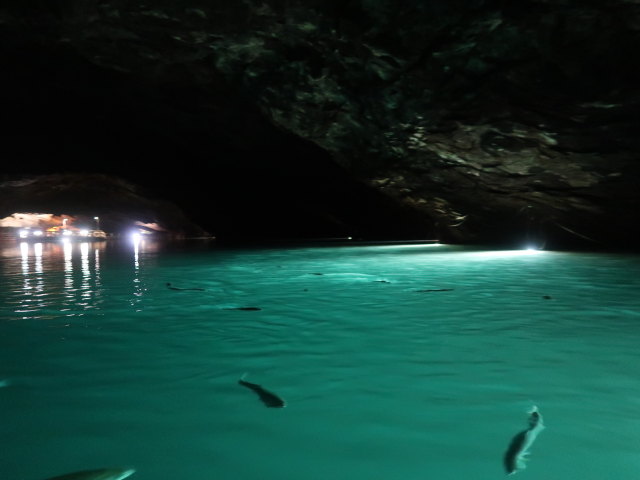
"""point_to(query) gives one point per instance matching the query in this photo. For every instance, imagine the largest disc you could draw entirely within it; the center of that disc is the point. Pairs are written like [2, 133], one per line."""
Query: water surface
[405, 362]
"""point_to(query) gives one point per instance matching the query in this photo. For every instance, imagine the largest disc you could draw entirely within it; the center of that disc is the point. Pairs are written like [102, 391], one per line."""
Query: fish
[248, 309]
[98, 474]
[171, 287]
[515, 456]
[268, 398]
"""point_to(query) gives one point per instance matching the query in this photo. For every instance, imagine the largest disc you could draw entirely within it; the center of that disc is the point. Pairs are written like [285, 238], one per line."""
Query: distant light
[24, 250]
[24, 233]
[67, 232]
[38, 233]
[84, 233]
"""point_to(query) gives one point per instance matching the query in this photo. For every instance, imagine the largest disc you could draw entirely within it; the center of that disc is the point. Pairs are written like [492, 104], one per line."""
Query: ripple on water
[380, 380]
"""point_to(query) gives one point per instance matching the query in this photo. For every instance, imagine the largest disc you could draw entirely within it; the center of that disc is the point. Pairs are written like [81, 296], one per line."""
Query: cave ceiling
[485, 119]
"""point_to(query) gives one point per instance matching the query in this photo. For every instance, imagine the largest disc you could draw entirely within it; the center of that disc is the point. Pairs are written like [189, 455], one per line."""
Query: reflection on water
[32, 285]
[68, 266]
[396, 362]
[138, 288]
[64, 279]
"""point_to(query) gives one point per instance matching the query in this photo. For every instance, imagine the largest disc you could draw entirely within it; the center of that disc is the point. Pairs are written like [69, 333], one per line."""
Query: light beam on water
[395, 361]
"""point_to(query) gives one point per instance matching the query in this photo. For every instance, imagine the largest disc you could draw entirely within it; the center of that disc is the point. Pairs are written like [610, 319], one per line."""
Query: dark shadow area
[232, 172]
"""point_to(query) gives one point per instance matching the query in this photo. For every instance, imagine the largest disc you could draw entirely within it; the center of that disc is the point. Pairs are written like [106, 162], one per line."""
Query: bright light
[38, 233]
[67, 233]
[505, 253]
[136, 238]
[24, 233]
[84, 233]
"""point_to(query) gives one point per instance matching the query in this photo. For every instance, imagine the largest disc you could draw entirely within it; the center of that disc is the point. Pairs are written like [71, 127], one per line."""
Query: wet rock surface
[121, 206]
[483, 121]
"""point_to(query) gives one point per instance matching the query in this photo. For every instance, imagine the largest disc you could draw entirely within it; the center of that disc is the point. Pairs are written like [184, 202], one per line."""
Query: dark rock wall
[490, 121]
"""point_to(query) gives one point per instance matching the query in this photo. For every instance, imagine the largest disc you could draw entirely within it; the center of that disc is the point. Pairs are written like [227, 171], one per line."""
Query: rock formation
[482, 120]
[121, 206]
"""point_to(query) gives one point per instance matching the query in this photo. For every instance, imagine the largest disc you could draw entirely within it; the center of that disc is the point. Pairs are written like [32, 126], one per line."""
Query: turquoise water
[102, 365]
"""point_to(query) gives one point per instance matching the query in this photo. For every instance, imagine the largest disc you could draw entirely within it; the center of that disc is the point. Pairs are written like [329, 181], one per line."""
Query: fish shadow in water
[518, 451]
[435, 290]
[171, 287]
[270, 399]
[246, 309]
[511, 463]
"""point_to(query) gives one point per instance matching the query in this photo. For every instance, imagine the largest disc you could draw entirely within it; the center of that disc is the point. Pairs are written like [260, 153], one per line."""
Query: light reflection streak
[33, 279]
[56, 279]
[37, 253]
[136, 251]
[84, 256]
[67, 249]
[97, 260]
[25, 300]
[85, 286]
[24, 252]
[504, 253]
[138, 288]
[96, 267]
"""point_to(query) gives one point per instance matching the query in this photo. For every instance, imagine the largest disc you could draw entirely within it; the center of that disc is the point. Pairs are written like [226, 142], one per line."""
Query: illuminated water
[102, 365]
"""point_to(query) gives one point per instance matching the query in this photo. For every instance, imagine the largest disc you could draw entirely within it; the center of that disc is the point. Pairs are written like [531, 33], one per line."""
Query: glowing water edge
[394, 362]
